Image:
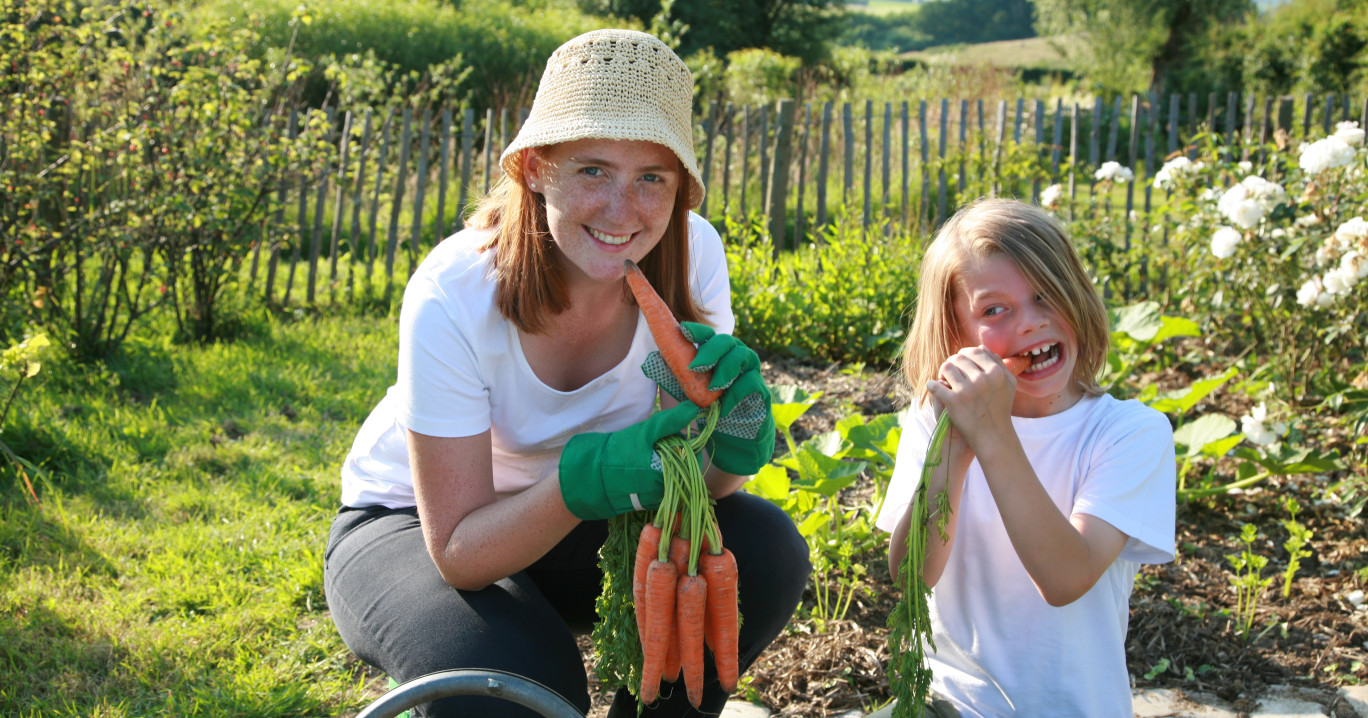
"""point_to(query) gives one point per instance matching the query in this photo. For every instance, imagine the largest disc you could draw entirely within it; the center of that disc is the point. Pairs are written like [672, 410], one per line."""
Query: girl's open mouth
[1042, 358]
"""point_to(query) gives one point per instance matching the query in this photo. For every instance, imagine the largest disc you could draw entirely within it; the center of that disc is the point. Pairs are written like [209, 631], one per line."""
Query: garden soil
[1182, 636]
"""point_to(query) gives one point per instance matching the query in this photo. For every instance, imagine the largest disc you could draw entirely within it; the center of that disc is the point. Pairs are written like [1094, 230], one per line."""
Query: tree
[797, 28]
[1131, 45]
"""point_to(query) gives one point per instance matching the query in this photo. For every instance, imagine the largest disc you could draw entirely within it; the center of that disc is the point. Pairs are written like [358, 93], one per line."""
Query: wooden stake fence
[781, 162]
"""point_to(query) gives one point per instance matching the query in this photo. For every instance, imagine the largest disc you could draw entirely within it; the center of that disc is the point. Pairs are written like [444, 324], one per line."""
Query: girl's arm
[1065, 556]
[474, 538]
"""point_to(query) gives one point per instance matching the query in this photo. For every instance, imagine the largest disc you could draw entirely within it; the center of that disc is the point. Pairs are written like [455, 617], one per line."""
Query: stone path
[1350, 702]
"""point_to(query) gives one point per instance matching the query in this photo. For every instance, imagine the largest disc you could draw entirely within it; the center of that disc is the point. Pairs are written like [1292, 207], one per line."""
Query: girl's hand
[978, 391]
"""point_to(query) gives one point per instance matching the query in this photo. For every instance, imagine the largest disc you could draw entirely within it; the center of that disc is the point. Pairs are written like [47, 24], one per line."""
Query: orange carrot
[690, 602]
[675, 348]
[660, 612]
[1016, 364]
[679, 556]
[721, 626]
[648, 544]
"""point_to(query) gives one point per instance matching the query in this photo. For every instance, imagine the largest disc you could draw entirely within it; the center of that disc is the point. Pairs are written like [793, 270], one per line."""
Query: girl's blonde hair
[531, 286]
[1039, 246]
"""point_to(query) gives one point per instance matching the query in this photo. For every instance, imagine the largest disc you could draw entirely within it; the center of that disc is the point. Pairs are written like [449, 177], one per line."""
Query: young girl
[1057, 491]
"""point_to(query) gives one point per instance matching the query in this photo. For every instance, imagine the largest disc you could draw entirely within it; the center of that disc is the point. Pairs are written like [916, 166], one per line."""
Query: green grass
[884, 7]
[1033, 52]
[175, 564]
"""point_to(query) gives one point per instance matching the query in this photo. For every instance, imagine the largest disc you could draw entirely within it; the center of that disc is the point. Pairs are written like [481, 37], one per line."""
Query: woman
[475, 495]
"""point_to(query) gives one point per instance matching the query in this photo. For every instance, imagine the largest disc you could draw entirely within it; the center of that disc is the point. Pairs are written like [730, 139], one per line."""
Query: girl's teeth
[608, 238]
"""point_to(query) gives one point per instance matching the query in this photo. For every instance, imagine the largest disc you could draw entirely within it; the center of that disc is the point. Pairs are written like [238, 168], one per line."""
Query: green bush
[139, 162]
[846, 298]
[503, 43]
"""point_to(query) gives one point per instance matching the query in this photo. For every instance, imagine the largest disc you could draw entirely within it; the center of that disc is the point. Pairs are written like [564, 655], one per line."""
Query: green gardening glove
[743, 441]
[606, 474]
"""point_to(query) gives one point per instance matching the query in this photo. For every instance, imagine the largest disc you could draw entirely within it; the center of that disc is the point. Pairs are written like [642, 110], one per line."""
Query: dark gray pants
[395, 612]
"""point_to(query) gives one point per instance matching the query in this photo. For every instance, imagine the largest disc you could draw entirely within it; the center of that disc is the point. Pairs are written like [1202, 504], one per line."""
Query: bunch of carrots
[910, 622]
[683, 580]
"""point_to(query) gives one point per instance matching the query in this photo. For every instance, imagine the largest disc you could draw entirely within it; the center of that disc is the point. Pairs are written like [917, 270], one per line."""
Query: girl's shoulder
[1130, 420]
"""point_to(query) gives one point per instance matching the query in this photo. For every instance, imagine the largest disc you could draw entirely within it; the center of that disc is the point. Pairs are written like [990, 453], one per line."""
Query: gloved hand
[606, 474]
[743, 441]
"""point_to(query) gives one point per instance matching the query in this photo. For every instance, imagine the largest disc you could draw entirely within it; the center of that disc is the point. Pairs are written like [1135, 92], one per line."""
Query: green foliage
[139, 162]
[899, 31]
[796, 28]
[809, 482]
[949, 22]
[758, 76]
[1314, 46]
[844, 298]
[1126, 46]
[1297, 545]
[423, 45]
[1248, 579]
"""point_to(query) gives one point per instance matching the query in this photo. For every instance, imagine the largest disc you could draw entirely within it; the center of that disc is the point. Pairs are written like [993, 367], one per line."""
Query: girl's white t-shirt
[1001, 650]
[462, 371]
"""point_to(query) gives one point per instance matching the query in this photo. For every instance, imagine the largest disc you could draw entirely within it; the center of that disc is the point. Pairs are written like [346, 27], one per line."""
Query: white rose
[1308, 220]
[1113, 171]
[1309, 292]
[1349, 132]
[1339, 281]
[1174, 167]
[1049, 197]
[1255, 427]
[1270, 194]
[1325, 154]
[1239, 207]
[1224, 241]
[1354, 229]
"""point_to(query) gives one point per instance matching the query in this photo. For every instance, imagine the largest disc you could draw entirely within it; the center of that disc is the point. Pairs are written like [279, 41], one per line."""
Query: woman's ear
[533, 167]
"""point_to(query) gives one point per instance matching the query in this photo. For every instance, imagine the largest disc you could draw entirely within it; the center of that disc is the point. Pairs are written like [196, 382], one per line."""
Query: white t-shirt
[462, 371]
[1001, 650]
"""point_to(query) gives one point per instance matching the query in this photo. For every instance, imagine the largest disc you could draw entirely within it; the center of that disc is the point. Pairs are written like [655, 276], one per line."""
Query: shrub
[138, 163]
[503, 43]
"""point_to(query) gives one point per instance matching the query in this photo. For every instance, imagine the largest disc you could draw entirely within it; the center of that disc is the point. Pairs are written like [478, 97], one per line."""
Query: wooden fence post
[848, 137]
[823, 164]
[416, 230]
[925, 204]
[373, 252]
[779, 171]
[467, 150]
[726, 160]
[903, 204]
[488, 148]
[941, 188]
[397, 201]
[887, 159]
[800, 218]
[709, 131]
[745, 155]
[443, 177]
[355, 244]
[763, 169]
[343, 144]
[868, 160]
[1001, 128]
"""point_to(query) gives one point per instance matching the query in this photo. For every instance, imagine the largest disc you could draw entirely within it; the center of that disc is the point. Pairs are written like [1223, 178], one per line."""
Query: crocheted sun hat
[612, 85]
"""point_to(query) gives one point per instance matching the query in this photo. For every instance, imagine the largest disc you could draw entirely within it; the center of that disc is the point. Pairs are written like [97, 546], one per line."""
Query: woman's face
[606, 201]
[996, 307]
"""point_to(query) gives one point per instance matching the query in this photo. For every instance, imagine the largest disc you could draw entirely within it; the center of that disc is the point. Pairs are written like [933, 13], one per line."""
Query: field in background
[1034, 52]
